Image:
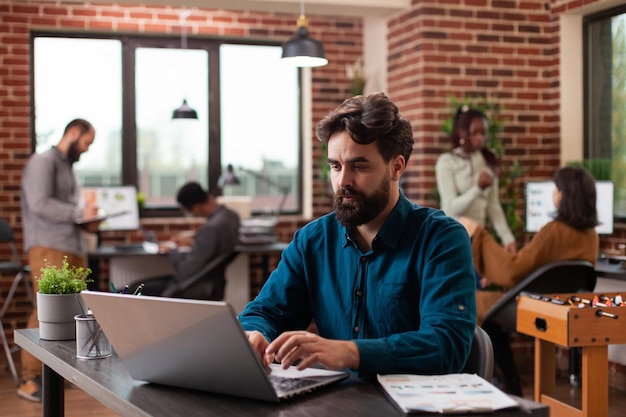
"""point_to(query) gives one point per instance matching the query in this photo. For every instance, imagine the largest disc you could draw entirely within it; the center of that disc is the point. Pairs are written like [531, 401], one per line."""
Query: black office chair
[22, 272]
[568, 276]
[480, 360]
[555, 277]
[199, 286]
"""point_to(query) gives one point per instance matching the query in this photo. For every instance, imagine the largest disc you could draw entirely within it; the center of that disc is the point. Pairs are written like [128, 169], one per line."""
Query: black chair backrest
[481, 359]
[555, 277]
[199, 283]
[6, 234]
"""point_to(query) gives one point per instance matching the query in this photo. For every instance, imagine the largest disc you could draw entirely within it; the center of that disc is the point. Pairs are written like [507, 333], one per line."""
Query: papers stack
[451, 393]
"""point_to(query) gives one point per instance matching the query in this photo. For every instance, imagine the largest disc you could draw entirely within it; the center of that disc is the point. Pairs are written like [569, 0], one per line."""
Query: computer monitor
[113, 200]
[539, 208]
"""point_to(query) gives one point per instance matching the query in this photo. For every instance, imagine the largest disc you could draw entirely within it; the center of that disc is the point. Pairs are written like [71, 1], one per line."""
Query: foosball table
[586, 320]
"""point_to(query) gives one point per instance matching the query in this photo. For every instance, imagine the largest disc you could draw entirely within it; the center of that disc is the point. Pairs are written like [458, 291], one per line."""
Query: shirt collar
[59, 154]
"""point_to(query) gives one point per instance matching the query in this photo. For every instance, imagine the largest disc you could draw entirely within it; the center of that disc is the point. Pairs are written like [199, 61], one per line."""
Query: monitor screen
[540, 209]
[114, 200]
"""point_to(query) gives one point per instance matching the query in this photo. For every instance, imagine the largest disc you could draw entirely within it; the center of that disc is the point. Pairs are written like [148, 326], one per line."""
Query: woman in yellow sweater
[571, 235]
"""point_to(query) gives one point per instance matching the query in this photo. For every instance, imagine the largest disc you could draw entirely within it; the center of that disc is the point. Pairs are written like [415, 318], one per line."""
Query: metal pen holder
[91, 342]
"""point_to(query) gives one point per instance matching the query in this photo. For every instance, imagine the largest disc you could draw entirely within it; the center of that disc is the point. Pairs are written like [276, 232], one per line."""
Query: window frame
[130, 42]
[588, 145]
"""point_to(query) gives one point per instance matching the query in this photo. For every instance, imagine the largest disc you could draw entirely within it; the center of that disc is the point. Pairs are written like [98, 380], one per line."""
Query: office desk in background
[108, 381]
[132, 264]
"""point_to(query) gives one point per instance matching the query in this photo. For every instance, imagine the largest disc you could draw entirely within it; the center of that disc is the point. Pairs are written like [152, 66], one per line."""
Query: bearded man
[51, 205]
[389, 284]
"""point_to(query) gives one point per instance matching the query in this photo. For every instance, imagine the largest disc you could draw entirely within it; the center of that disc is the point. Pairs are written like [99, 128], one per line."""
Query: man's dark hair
[367, 119]
[578, 199]
[83, 126]
[191, 194]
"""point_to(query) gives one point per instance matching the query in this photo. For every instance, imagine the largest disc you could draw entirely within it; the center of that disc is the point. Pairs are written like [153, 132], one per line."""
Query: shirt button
[359, 293]
[356, 329]
[461, 307]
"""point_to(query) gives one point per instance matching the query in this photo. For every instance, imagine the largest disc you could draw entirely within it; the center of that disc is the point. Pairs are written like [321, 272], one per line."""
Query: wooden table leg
[595, 381]
[545, 368]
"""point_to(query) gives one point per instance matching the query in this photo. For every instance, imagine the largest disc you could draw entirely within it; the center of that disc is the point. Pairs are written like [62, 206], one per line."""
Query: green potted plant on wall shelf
[58, 299]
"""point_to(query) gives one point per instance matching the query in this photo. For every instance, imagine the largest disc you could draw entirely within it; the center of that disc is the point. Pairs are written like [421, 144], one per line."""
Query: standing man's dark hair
[83, 126]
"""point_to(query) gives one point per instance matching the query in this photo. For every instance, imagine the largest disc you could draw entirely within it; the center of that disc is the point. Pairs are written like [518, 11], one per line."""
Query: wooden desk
[108, 381]
[610, 269]
[570, 326]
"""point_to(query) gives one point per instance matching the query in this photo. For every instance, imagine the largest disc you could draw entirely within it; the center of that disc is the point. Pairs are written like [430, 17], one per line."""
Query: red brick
[84, 12]
[112, 13]
[54, 11]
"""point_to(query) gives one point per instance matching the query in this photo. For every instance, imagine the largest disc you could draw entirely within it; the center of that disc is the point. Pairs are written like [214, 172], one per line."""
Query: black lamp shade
[303, 50]
[184, 112]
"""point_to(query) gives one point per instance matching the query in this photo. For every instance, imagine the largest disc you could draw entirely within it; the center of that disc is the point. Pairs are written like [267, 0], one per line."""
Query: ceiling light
[302, 50]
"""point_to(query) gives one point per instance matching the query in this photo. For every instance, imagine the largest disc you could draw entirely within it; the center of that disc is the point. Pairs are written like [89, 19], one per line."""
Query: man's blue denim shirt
[408, 303]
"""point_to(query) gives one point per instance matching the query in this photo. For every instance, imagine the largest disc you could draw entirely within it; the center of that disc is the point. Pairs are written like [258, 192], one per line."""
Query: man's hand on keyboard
[313, 349]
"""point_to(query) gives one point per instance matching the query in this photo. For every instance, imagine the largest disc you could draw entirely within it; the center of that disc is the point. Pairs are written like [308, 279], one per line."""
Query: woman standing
[467, 176]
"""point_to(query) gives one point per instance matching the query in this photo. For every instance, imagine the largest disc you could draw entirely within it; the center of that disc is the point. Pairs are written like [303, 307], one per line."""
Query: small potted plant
[58, 300]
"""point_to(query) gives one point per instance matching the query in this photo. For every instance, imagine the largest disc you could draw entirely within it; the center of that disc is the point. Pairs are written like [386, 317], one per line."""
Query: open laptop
[194, 344]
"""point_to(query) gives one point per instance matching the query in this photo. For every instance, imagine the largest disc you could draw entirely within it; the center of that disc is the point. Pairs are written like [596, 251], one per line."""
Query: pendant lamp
[302, 50]
[184, 111]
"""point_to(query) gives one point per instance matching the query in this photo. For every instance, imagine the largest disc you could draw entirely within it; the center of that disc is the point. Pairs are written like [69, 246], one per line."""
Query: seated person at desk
[571, 235]
[389, 283]
[218, 235]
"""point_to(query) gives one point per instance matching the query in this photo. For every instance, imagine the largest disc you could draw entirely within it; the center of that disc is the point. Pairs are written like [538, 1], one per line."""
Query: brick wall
[504, 51]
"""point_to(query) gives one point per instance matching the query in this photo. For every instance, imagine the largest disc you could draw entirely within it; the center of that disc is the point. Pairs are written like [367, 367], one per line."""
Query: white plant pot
[56, 315]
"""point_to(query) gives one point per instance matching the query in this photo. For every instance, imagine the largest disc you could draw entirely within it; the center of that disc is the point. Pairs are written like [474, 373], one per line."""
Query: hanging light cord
[183, 19]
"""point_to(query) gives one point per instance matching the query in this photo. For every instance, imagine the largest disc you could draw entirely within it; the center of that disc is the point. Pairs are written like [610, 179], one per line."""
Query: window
[170, 152]
[248, 106]
[81, 78]
[605, 100]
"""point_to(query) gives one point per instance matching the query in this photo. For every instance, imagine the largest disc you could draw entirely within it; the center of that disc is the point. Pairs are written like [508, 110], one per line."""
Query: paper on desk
[451, 393]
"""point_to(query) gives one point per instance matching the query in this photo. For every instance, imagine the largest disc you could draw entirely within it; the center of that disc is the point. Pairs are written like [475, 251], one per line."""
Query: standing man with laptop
[51, 205]
[388, 283]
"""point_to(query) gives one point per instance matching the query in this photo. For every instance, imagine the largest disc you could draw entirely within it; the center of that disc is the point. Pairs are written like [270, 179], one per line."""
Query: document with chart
[451, 393]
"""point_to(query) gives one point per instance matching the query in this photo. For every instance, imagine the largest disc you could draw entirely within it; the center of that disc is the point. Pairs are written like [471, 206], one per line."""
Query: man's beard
[73, 154]
[363, 208]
